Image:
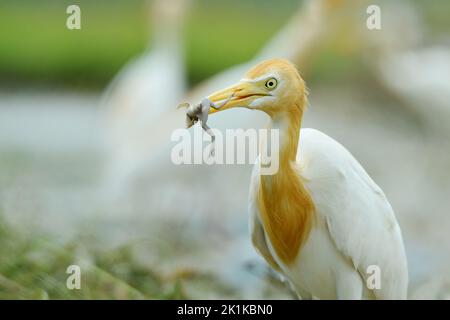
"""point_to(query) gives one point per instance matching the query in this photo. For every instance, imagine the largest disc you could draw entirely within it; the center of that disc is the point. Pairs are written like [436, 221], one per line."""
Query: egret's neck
[168, 32]
[288, 124]
[167, 40]
[285, 205]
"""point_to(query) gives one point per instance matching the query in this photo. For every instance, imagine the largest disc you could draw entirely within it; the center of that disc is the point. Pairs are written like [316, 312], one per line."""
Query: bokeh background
[86, 117]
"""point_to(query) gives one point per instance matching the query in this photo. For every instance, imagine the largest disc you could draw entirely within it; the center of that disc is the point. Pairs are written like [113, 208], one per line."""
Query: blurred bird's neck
[167, 39]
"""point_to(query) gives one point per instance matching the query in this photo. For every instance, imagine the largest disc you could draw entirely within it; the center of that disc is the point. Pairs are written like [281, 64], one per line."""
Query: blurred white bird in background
[143, 91]
[421, 77]
[411, 65]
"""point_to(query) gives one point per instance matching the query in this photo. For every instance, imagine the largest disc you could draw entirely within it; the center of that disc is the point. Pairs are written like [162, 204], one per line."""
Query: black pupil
[270, 83]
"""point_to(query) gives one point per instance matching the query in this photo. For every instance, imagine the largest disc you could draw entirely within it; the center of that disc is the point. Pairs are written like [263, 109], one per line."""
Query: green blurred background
[36, 48]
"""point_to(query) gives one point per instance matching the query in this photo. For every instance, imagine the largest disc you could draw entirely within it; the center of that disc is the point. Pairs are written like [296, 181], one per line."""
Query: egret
[320, 220]
[142, 92]
[397, 55]
[139, 103]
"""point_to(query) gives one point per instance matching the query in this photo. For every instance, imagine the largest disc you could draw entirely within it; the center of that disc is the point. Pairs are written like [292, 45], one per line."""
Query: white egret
[321, 221]
[145, 89]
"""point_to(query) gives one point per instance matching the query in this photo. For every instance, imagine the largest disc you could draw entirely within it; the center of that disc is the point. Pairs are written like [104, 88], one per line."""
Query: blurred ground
[50, 167]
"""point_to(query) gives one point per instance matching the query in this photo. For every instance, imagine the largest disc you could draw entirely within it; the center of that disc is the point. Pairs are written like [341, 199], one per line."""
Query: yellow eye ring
[271, 83]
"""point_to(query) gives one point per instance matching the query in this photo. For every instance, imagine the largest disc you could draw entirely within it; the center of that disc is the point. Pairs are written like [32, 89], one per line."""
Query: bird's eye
[271, 83]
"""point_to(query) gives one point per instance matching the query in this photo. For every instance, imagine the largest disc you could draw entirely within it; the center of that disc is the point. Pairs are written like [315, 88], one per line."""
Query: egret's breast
[316, 267]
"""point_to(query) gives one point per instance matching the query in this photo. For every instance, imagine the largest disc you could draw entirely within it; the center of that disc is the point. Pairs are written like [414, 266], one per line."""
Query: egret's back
[359, 218]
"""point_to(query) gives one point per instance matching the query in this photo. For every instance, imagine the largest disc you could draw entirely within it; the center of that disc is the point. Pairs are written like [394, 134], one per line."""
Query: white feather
[356, 227]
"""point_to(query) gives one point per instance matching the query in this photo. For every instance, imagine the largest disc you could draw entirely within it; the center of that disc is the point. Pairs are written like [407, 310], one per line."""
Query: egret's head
[273, 86]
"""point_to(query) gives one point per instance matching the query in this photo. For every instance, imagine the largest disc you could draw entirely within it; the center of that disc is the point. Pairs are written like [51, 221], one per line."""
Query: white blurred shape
[143, 91]
[417, 73]
[422, 78]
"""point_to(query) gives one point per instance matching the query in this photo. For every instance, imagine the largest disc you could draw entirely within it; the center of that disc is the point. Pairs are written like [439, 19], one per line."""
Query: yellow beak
[238, 95]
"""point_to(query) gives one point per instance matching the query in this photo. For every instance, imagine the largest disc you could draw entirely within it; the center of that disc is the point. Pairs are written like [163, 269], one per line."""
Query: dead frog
[199, 112]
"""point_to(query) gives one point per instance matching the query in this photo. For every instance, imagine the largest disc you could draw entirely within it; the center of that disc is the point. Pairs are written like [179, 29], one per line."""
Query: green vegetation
[36, 47]
[35, 268]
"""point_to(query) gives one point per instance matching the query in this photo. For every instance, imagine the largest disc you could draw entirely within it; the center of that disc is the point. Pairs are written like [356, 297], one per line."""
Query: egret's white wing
[360, 219]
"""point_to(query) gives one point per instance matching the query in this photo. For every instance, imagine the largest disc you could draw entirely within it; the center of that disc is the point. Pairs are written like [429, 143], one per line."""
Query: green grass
[36, 46]
[34, 267]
